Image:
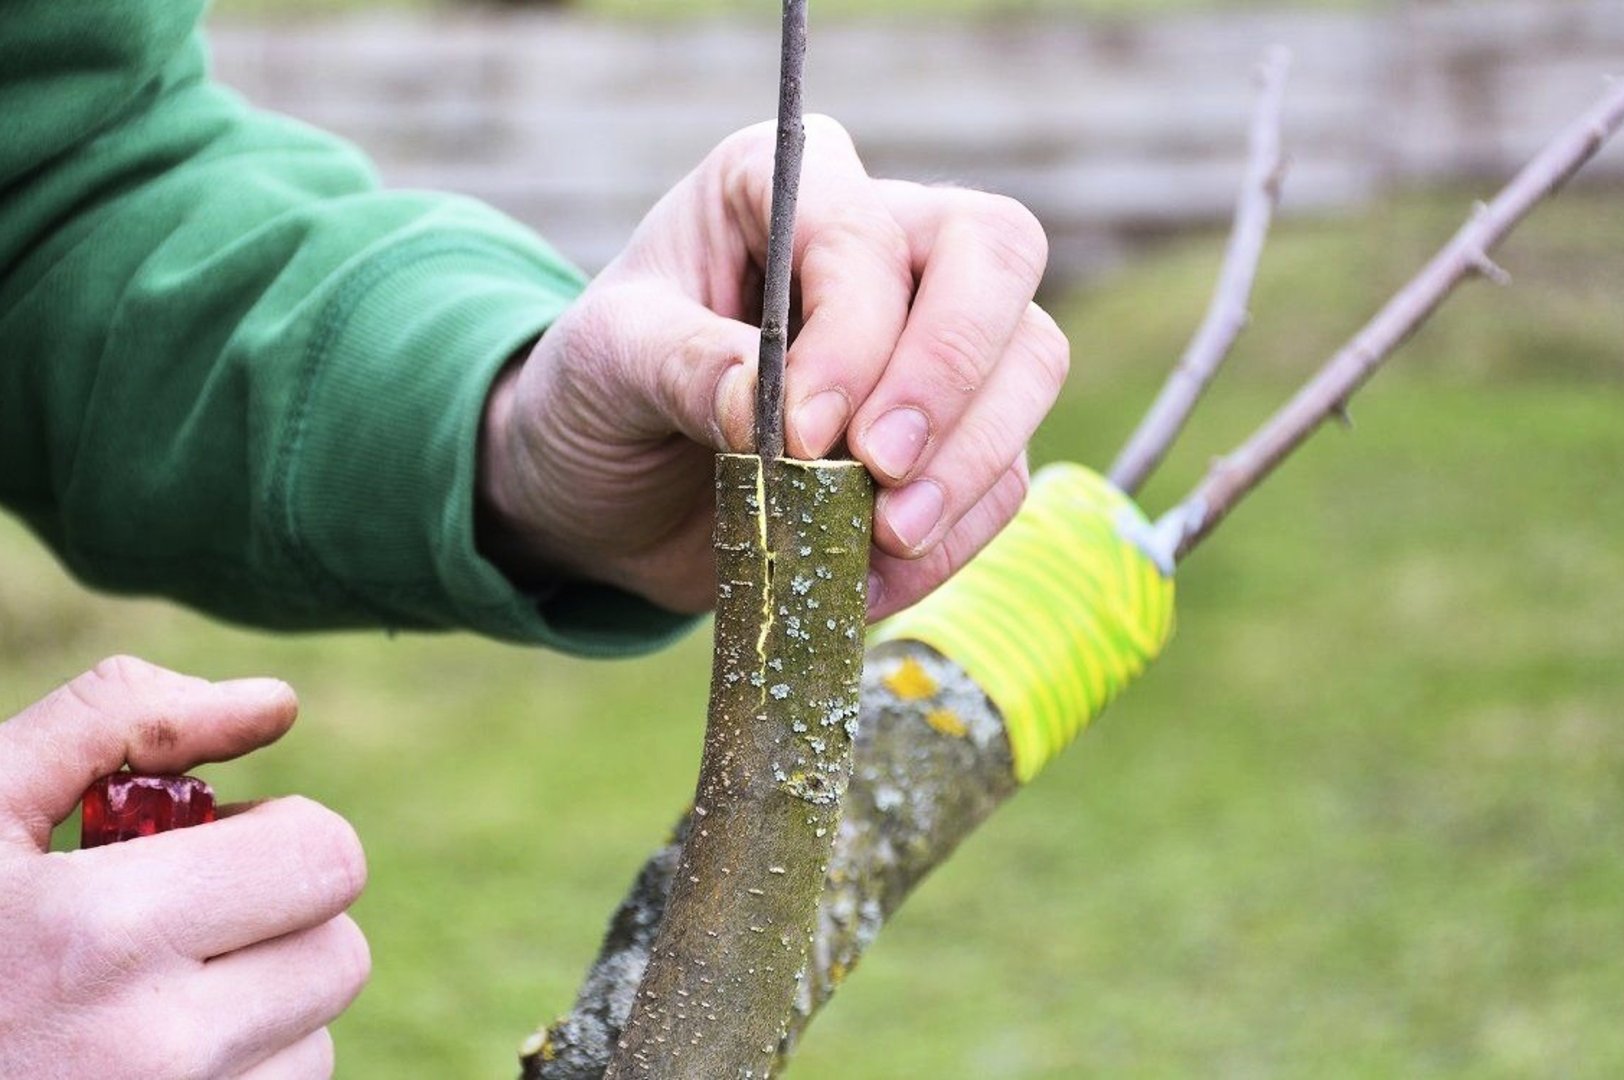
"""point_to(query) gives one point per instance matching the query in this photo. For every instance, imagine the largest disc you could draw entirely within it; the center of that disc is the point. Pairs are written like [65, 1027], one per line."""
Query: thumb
[126, 711]
[696, 369]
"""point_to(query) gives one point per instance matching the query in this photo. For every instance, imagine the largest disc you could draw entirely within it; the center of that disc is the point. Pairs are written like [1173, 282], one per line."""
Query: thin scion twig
[1326, 395]
[781, 236]
[1227, 314]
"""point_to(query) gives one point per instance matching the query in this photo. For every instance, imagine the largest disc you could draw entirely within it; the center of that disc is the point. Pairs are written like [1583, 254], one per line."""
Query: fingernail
[876, 592]
[914, 511]
[256, 690]
[896, 440]
[733, 415]
[820, 419]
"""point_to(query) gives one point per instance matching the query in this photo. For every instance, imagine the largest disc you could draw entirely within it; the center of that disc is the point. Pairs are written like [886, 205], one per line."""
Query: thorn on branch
[1343, 415]
[1486, 267]
[1275, 185]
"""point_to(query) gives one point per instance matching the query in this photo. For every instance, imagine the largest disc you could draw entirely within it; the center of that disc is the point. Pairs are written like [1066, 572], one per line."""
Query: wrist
[502, 533]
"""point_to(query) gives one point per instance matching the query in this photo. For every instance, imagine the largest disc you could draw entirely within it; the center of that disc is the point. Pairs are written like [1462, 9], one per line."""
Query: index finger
[980, 259]
[856, 282]
[276, 868]
[125, 711]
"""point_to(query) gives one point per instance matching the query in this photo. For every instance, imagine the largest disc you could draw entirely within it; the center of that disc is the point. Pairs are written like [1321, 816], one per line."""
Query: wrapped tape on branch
[1056, 617]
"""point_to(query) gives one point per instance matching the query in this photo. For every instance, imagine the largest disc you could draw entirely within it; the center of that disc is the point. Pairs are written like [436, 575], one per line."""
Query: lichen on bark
[721, 978]
[930, 763]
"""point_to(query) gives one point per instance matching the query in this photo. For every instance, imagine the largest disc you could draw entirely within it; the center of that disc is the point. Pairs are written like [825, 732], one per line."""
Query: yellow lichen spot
[947, 722]
[910, 681]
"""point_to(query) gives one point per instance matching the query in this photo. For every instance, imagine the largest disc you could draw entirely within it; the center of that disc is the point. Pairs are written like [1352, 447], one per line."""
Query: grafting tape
[1056, 617]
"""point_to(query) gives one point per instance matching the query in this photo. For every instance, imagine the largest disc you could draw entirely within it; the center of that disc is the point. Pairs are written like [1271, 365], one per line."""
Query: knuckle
[852, 240]
[958, 354]
[351, 957]
[821, 127]
[983, 446]
[690, 380]
[125, 669]
[178, 1046]
[116, 678]
[1012, 493]
[107, 946]
[748, 140]
[1014, 236]
[322, 1058]
[957, 549]
[1051, 349]
[985, 521]
[48, 912]
[335, 860]
[746, 154]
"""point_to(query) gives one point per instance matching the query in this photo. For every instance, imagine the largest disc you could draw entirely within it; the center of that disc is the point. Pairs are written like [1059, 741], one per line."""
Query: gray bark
[930, 763]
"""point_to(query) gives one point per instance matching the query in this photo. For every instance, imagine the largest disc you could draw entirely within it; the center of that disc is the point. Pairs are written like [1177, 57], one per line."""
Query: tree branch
[940, 747]
[1227, 314]
[1326, 395]
[722, 975]
[932, 758]
[930, 763]
[781, 237]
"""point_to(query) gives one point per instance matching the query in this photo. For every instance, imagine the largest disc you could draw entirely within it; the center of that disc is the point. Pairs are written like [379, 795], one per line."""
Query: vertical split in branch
[781, 237]
[731, 952]
[1227, 314]
[792, 542]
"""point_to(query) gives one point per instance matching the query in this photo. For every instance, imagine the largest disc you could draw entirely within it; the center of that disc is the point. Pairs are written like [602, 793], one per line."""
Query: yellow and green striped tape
[1060, 612]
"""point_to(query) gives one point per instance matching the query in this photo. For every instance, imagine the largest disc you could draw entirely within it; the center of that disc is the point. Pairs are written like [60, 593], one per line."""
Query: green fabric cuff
[374, 487]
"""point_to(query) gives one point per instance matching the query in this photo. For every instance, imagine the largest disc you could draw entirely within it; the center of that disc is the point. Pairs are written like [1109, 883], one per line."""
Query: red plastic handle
[126, 805]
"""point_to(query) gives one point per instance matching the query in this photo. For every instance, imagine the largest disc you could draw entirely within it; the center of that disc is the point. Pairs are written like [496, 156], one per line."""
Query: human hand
[215, 951]
[919, 348]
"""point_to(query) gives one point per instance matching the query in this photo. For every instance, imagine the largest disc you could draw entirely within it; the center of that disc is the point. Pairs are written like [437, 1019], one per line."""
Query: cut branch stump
[792, 541]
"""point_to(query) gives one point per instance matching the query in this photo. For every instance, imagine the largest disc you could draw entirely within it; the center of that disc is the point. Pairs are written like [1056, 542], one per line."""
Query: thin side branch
[1227, 314]
[1326, 395]
[781, 237]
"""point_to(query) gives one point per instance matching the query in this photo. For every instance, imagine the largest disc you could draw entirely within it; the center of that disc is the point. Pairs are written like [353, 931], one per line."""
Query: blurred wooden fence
[1111, 131]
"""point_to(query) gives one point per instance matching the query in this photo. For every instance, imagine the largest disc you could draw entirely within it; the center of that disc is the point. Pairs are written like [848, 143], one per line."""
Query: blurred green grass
[1363, 819]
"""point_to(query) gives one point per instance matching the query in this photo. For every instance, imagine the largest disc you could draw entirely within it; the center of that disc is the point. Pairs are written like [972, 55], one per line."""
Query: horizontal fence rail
[1114, 132]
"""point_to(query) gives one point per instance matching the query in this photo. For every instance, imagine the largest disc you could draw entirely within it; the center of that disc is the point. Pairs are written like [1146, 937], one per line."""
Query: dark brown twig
[781, 237]
[1227, 314]
[1326, 395]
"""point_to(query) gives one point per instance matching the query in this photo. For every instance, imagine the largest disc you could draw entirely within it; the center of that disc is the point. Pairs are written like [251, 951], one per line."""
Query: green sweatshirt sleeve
[236, 372]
